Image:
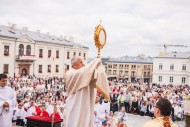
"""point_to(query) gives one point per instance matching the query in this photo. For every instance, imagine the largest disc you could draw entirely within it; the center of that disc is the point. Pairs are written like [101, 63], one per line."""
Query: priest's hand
[5, 104]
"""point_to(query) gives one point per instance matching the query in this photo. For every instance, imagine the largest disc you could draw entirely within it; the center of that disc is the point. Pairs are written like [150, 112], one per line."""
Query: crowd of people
[47, 97]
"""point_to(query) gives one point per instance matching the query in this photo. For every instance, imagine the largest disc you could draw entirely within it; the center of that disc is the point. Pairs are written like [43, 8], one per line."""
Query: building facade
[132, 69]
[25, 52]
[172, 68]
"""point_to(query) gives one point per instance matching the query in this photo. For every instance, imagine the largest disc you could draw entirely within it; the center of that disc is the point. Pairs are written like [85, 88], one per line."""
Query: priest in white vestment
[7, 102]
[80, 84]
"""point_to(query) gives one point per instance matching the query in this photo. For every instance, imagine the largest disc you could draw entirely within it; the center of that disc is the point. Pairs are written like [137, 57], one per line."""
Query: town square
[94, 63]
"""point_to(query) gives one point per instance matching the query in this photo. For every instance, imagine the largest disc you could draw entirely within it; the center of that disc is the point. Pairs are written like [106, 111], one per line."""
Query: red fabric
[57, 116]
[44, 114]
[43, 119]
[38, 111]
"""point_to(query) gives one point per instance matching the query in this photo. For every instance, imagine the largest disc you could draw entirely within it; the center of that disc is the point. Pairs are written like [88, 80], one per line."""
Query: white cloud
[129, 24]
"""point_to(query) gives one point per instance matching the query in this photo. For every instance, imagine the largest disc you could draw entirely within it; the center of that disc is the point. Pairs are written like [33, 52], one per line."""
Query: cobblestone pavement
[137, 121]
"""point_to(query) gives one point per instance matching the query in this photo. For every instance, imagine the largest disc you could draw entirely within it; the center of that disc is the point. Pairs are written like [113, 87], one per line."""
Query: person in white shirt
[50, 108]
[63, 116]
[122, 118]
[7, 102]
[99, 113]
[17, 116]
[106, 107]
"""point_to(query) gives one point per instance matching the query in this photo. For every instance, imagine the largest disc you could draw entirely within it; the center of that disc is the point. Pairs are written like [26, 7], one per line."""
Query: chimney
[13, 26]
[25, 28]
[71, 39]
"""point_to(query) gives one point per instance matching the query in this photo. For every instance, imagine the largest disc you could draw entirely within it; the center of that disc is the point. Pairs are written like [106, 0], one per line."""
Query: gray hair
[74, 60]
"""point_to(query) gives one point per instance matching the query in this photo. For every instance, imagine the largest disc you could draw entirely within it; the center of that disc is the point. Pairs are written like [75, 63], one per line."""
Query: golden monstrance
[99, 38]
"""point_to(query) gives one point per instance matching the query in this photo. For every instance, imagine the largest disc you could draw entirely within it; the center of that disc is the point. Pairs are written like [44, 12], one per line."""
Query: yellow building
[132, 69]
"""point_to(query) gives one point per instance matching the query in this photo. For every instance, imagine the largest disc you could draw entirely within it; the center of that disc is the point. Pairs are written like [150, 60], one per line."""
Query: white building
[25, 52]
[173, 68]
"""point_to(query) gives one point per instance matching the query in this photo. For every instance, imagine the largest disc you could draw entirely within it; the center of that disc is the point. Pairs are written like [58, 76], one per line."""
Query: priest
[81, 82]
[7, 102]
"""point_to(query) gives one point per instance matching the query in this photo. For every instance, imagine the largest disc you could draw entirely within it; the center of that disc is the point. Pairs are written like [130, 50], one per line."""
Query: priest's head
[3, 80]
[162, 108]
[77, 62]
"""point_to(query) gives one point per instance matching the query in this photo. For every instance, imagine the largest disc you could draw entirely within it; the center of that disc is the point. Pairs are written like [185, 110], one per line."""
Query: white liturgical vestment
[80, 86]
[7, 95]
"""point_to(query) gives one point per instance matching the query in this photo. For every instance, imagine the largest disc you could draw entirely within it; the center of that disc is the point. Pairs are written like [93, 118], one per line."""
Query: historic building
[132, 69]
[25, 52]
[172, 68]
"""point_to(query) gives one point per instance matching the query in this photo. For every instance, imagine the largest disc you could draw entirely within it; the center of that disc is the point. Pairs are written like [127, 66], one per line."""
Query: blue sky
[132, 26]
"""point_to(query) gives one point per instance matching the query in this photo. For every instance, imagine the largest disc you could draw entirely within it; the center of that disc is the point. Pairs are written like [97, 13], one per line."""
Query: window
[57, 54]
[6, 50]
[171, 79]
[49, 53]
[114, 65]
[183, 80]
[6, 68]
[57, 68]
[68, 55]
[126, 66]
[114, 72]
[49, 68]
[133, 73]
[160, 78]
[171, 66]
[40, 53]
[74, 53]
[109, 66]
[84, 55]
[28, 50]
[148, 74]
[109, 72]
[40, 69]
[121, 66]
[79, 54]
[67, 67]
[184, 67]
[120, 73]
[126, 73]
[145, 74]
[160, 66]
[21, 49]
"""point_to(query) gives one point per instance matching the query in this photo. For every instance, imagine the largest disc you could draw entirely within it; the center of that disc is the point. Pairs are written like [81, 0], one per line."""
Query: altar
[38, 121]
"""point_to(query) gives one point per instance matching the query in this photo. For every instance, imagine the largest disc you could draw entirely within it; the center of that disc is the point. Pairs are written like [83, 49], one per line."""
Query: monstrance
[99, 37]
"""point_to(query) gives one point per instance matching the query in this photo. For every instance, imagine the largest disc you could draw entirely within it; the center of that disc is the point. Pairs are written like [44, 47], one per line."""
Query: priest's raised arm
[81, 82]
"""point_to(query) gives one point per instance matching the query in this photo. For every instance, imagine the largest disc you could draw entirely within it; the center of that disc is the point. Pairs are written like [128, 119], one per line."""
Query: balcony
[25, 58]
